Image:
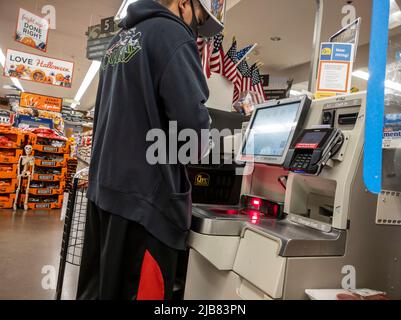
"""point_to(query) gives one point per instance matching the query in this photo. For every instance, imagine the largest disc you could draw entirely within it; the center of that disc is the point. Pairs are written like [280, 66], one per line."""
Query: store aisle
[29, 244]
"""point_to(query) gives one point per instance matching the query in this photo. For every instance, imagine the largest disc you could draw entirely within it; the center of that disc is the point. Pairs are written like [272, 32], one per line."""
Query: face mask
[194, 23]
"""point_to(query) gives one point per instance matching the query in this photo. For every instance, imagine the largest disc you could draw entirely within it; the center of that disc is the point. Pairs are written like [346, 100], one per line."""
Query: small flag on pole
[230, 62]
[242, 54]
[205, 51]
[257, 83]
[200, 42]
[217, 56]
[243, 80]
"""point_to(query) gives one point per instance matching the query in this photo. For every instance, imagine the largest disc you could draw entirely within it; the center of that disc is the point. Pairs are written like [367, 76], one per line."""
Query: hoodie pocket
[180, 206]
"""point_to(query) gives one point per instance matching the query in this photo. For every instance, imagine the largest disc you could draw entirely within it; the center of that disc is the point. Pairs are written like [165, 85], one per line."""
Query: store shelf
[45, 188]
[9, 186]
[51, 149]
[51, 163]
[11, 138]
[4, 158]
[8, 171]
[45, 191]
[43, 205]
[83, 147]
[85, 161]
[85, 124]
[72, 165]
[49, 177]
[7, 201]
[48, 184]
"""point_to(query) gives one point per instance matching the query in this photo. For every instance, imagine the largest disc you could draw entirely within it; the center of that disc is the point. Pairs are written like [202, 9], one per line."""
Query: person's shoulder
[162, 29]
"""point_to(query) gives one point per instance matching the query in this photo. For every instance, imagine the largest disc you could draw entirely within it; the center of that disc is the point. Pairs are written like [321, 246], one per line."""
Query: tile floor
[29, 256]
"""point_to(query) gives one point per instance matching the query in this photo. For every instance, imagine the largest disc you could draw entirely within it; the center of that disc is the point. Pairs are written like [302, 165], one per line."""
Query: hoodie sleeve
[183, 89]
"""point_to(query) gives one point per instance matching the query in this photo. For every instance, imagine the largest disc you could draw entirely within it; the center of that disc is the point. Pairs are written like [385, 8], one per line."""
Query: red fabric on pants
[151, 283]
[122, 260]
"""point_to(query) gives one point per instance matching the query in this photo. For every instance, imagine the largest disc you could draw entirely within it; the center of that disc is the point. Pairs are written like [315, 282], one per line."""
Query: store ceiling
[249, 20]
[256, 21]
[67, 42]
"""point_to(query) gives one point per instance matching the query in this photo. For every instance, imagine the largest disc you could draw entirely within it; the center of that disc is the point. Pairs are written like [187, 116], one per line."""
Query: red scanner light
[256, 203]
[275, 210]
[255, 216]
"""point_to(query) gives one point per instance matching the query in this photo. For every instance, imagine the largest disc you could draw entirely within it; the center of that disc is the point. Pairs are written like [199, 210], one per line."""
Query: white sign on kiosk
[335, 68]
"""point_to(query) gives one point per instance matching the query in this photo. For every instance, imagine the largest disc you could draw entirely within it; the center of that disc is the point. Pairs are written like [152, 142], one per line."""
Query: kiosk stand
[330, 217]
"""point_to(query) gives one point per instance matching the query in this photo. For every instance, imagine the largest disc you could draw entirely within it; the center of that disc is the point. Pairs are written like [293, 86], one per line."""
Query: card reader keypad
[301, 161]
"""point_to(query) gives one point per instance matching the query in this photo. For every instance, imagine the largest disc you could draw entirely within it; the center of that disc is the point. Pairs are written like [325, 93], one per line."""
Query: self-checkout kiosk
[304, 219]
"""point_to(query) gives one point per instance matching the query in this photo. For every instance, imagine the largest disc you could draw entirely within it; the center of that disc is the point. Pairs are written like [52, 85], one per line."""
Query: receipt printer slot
[347, 119]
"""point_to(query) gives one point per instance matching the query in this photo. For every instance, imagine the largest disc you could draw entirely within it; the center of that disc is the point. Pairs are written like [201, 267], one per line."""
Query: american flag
[243, 80]
[217, 56]
[246, 83]
[257, 84]
[230, 63]
[200, 42]
[244, 52]
[205, 51]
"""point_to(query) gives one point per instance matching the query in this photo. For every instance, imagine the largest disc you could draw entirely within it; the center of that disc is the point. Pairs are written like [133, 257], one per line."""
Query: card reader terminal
[312, 149]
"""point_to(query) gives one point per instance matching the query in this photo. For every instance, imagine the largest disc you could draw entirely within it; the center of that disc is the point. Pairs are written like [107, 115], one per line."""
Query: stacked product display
[84, 146]
[72, 164]
[51, 152]
[12, 143]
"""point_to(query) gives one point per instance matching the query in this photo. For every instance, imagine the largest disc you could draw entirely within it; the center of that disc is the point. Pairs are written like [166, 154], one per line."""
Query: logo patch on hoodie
[124, 49]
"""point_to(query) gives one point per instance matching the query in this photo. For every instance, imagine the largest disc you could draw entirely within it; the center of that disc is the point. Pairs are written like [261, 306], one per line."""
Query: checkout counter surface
[295, 240]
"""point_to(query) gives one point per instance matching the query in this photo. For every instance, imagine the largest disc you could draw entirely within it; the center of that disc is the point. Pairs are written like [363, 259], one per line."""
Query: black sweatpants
[121, 260]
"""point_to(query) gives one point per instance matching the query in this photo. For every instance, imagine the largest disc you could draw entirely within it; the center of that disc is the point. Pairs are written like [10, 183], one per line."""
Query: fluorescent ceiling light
[17, 84]
[122, 12]
[389, 84]
[90, 75]
[15, 81]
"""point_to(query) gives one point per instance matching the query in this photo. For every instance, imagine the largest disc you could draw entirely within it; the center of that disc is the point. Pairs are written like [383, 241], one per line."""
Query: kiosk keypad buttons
[302, 161]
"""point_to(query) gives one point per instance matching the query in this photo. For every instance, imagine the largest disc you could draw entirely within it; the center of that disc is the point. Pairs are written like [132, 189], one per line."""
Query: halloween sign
[41, 102]
[31, 67]
[32, 30]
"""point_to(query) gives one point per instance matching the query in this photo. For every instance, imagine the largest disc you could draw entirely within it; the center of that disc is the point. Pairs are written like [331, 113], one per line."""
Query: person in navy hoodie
[139, 213]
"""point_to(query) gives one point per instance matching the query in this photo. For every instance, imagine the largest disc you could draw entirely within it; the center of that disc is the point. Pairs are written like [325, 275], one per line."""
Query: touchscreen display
[271, 130]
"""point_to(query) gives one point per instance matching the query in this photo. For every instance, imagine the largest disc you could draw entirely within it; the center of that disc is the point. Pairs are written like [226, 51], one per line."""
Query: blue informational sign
[336, 52]
[343, 52]
[326, 52]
